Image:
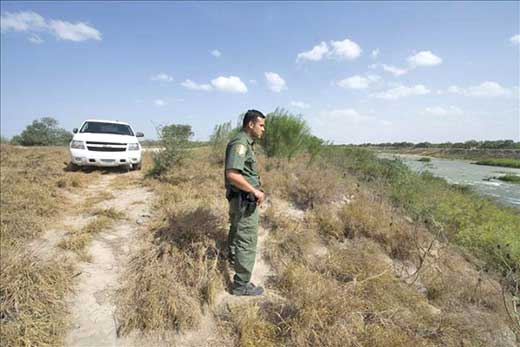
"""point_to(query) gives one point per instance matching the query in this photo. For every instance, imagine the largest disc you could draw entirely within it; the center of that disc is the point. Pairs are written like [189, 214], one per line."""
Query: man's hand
[259, 195]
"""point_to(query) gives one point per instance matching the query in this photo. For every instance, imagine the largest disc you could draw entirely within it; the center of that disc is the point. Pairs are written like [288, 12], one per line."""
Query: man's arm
[236, 179]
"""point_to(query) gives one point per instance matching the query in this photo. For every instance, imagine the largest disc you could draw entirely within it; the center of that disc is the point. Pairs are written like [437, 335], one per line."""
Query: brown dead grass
[33, 310]
[78, 240]
[179, 268]
[32, 291]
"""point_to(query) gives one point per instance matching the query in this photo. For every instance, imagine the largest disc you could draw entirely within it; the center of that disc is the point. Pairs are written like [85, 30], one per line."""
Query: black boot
[248, 289]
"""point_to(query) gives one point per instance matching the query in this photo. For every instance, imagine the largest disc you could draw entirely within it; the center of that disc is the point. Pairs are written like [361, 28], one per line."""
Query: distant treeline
[471, 144]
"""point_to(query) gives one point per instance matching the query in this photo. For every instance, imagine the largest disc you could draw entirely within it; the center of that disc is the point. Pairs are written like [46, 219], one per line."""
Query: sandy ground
[92, 310]
[91, 307]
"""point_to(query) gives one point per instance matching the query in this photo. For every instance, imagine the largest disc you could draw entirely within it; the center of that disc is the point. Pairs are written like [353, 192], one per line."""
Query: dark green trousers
[242, 239]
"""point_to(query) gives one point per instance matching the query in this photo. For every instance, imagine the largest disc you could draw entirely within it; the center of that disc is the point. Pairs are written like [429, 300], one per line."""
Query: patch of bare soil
[92, 309]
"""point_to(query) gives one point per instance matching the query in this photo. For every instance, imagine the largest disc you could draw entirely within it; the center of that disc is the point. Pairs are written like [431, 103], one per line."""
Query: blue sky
[356, 72]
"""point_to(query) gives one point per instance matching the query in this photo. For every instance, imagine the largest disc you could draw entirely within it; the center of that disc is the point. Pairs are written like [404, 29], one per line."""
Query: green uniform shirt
[240, 156]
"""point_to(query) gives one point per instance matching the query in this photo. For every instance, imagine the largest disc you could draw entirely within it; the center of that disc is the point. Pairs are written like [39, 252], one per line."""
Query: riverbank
[454, 153]
[502, 162]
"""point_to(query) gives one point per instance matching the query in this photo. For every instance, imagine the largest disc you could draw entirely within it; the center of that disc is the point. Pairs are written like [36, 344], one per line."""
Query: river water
[478, 177]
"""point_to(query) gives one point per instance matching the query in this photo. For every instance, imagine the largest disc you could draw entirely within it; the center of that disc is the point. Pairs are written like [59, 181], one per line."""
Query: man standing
[244, 194]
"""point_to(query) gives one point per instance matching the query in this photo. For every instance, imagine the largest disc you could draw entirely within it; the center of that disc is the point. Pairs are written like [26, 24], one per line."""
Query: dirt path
[91, 305]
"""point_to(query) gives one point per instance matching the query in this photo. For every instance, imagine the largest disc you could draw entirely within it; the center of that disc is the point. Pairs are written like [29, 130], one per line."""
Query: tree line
[470, 144]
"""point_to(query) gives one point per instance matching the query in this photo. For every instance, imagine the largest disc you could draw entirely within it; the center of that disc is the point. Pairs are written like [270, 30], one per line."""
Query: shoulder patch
[240, 149]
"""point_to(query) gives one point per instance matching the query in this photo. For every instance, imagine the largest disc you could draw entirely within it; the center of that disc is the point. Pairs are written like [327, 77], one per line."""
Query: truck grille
[106, 149]
[106, 143]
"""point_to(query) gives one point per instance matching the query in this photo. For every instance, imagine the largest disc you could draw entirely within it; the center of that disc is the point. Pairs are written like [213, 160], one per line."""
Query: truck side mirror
[75, 130]
[139, 134]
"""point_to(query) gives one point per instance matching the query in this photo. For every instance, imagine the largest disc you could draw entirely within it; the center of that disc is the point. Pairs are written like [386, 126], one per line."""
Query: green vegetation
[286, 135]
[43, 132]
[476, 222]
[425, 159]
[174, 139]
[503, 162]
[510, 178]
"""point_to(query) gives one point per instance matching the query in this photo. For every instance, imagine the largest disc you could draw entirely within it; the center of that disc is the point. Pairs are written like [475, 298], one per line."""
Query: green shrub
[285, 134]
[174, 139]
[43, 132]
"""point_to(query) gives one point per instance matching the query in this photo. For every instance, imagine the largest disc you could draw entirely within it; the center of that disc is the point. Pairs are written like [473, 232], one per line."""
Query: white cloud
[231, 84]
[315, 54]
[189, 84]
[375, 53]
[424, 58]
[22, 21]
[396, 71]
[345, 49]
[454, 89]
[300, 104]
[515, 40]
[358, 82]
[159, 102]
[63, 30]
[163, 77]
[216, 53]
[74, 32]
[275, 82]
[35, 39]
[485, 89]
[488, 89]
[403, 91]
[444, 111]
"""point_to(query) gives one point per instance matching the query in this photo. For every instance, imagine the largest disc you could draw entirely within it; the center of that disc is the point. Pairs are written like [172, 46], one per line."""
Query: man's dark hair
[251, 116]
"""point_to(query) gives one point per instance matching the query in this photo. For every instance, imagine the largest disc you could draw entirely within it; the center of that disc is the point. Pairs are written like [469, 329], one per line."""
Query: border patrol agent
[244, 194]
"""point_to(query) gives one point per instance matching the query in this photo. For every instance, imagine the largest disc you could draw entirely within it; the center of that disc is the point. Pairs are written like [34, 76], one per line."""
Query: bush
[173, 139]
[43, 132]
[285, 134]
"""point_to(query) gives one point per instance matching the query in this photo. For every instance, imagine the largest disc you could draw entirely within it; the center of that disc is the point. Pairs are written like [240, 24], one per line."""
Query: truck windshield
[106, 128]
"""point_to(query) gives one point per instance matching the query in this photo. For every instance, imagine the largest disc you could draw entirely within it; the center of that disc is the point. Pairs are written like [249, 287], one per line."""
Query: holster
[246, 201]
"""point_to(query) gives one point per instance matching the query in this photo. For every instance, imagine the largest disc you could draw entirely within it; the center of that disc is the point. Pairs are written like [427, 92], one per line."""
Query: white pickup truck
[105, 143]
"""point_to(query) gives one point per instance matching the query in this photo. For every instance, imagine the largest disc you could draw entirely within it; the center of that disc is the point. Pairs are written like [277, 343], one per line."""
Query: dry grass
[92, 201]
[153, 296]
[178, 269]
[32, 290]
[110, 213]
[33, 310]
[78, 240]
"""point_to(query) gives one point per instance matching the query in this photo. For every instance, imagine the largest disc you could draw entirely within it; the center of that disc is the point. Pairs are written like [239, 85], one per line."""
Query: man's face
[258, 128]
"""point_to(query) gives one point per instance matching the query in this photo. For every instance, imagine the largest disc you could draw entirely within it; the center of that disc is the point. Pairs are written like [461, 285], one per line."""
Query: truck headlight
[133, 146]
[77, 144]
